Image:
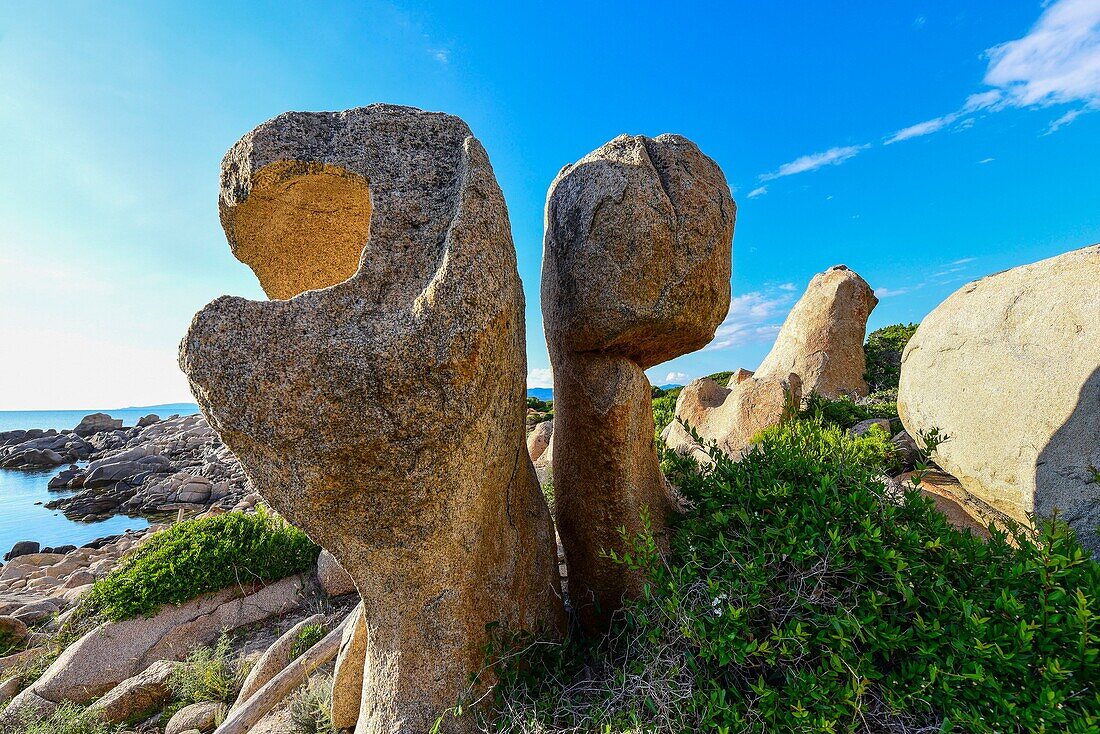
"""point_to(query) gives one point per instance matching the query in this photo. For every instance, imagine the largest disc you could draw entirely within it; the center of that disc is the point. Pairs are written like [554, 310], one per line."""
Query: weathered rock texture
[1009, 367]
[821, 340]
[381, 408]
[636, 271]
[730, 416]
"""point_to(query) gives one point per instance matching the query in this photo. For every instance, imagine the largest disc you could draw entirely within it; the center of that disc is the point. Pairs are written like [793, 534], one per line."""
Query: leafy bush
[311, 708]
[883, 354]
[307, 637]
[196, 556]
[664, 411]
[800, 595]
[844, 411]
[206, 675]
[68, 718]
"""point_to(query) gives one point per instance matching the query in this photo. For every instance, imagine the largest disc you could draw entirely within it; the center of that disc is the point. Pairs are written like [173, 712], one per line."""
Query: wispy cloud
[540, 377]
[677, 378]
[965, 260]
[753, 317]
[1063, 121]
[891, 292]
[758, 191]
[1057, 62]
[987, 160]
[953, 271]
[830, 157]
[441, 55]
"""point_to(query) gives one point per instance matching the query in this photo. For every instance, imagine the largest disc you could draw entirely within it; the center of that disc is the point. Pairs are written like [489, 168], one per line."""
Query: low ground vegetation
[803, 594]
[197, 556]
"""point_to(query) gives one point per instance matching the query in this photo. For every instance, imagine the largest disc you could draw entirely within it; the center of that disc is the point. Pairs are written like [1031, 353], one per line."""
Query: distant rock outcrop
[730, 416]
[1009, 367]
[381, 406]
[821, 340]
[636, 271]
[96, 423]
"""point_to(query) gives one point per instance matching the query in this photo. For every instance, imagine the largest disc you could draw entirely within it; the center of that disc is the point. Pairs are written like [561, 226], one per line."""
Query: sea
[23, 494]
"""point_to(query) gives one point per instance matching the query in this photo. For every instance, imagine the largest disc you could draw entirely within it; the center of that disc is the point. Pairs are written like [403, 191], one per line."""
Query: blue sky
[923, 144]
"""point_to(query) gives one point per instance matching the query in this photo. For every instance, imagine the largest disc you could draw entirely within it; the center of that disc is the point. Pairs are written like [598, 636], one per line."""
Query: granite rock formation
[1009, 367]
[730, 416]
[380, 407]
[636, 271]
[821, 340]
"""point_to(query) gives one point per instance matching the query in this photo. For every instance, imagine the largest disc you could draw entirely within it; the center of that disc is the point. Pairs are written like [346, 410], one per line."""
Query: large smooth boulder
[730, 417]
[636, 271]
[1009, 367]
[332, 576]
[115, 651]
[821, 340]
[96, 423]
[379, 403]
[22, 548]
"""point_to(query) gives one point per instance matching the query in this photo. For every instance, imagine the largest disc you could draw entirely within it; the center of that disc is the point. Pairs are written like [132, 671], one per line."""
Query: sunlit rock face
[379, 404]
[636, 271]
[821, 340]
[1009, 367]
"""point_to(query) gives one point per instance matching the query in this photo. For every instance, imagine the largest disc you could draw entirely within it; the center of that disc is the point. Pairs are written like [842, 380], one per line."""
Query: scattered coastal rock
[730, 416]
[385, 229]
[1026, 341]
[22, 548]
[96, 423]
[155, 468]
[821, 340]
[645, 224]
[115, 651]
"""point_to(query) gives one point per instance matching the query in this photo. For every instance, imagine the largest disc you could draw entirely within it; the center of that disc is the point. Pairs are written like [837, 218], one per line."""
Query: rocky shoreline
[156, 467]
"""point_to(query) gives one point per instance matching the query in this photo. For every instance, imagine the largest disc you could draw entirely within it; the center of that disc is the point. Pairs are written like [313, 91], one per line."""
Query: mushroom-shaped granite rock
[636, 271]
[380, 407]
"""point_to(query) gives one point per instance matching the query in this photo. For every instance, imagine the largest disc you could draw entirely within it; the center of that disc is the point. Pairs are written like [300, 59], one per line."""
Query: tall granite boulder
[730, 416]
[636, 271]
[380, 407]
[821, 340]
[1009, 367]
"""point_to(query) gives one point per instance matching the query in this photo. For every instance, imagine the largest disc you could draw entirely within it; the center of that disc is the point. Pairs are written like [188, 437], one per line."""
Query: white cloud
[987, 160]
[758, 191]
[921, 128]
[676, 378]
[830, 157]
[1063, 121]
[753, 317]
[440, 55]
[1057, 62]
[540, 377]
[891, 292]
[965, 260]
[919, 22]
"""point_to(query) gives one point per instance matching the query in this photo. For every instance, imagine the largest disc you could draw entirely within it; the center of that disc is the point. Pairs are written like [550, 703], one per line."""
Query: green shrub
[800, 595]
[206, 675]
[664, 412]
[68, 718]
[883, 354]
[196, 556]
[307, 637]
[845, 412]
[311, 708]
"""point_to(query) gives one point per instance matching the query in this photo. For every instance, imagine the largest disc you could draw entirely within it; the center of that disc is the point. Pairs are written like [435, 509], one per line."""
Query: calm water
[22, 519]
[11, 420]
